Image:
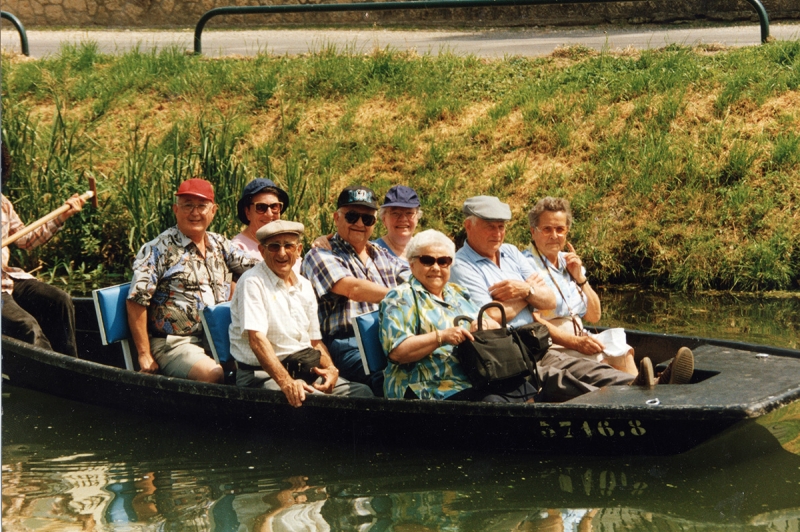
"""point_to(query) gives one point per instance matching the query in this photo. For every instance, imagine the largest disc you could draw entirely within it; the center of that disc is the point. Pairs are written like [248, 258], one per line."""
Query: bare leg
[623, 363]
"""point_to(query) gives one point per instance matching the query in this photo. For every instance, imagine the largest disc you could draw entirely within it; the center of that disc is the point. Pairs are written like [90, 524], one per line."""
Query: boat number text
[608, 429]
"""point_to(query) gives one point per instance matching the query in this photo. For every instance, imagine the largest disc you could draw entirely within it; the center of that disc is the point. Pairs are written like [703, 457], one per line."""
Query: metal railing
[23, 36]
[414, 4]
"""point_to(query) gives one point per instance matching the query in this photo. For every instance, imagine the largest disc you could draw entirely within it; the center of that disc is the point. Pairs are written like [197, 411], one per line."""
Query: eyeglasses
[275, 247]
[189, 208]
[427, 260]
[352, 218]
[261, 208]
[558, 231]
[403, 214]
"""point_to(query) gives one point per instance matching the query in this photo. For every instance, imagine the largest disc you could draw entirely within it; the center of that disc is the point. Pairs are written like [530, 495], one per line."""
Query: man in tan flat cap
[275, 333]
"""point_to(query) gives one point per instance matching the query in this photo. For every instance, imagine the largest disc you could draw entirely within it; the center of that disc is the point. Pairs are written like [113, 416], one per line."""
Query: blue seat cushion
[367, 329]
[216, 319]
[112, 314]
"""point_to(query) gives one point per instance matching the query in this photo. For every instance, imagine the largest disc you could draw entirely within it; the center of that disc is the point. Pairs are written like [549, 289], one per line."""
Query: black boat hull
[734, 384]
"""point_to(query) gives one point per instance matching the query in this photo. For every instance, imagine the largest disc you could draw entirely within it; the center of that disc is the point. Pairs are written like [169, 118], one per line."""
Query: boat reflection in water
[74, 466]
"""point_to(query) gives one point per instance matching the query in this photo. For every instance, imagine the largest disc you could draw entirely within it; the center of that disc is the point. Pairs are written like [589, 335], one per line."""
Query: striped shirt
[12, 224]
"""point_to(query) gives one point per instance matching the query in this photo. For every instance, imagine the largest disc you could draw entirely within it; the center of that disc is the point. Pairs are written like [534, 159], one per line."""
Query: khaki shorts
[177, 355]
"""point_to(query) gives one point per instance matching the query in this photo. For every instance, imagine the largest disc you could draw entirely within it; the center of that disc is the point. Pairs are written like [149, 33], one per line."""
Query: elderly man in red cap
[175, 276]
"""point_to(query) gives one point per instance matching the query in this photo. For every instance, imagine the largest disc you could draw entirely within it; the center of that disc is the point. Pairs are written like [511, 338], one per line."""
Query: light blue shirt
[477, 273]
[560, 282]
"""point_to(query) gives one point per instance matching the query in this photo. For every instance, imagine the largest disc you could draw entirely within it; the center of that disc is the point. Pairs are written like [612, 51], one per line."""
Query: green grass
[682, 164]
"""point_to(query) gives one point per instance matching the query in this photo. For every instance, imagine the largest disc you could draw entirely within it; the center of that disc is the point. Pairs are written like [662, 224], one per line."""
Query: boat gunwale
[438, 408]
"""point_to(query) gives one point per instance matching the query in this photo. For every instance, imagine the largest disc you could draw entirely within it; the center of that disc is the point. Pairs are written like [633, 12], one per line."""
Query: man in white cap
[274, 331]
[175, 276]
[494, 271]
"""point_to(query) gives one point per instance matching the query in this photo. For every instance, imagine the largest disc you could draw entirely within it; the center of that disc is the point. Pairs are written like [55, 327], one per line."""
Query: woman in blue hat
[400, 214]
[262, 201]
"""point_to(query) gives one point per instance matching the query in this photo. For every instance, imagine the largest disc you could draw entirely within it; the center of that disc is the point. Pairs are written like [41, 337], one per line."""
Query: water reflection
[69, 466]
[770, 318]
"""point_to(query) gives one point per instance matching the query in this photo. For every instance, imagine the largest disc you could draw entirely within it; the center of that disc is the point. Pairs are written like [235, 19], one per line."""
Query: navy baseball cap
[363, 196]
[401, 196]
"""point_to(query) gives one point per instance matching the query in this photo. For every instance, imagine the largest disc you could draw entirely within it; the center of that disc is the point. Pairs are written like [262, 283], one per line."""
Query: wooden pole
[90, 194]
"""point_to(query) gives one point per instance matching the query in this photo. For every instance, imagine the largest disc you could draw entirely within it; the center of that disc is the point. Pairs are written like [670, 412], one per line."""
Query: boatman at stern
[175, 276]
[352, 278]
[275, 336]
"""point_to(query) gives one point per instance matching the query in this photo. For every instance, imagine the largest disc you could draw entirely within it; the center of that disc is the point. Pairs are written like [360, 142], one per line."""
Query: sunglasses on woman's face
[352, 218]
[262, 208]
[427, 260]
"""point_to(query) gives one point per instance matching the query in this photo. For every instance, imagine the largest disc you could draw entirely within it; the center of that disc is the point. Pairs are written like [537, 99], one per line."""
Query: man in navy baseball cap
[350, 279]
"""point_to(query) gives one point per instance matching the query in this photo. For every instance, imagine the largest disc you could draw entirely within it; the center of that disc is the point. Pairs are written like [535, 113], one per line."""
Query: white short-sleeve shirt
[286, 315]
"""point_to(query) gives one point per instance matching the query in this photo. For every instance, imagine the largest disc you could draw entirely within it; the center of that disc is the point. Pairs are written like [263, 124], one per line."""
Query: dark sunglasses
[261, 208]
[275, 247]
[427, 260]
[352, 218]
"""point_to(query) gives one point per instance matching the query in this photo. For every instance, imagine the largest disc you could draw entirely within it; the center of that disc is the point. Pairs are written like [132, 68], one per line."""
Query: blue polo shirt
[477, 273]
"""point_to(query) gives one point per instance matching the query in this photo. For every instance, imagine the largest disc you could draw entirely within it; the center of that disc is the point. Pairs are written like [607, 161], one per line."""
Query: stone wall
[182, 13]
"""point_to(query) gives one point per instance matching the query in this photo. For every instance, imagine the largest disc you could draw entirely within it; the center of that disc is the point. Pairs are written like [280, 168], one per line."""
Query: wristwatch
[531, 292]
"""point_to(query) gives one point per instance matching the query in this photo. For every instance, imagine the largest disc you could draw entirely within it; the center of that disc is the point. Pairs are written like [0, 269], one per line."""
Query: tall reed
[682, 164]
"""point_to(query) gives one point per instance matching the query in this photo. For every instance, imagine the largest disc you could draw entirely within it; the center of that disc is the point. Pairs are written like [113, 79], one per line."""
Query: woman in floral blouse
[418, 334]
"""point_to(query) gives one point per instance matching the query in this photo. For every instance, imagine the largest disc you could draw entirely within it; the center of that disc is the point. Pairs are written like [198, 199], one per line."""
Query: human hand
[587, 345]
[322, 242]
[509, 289]
[456, 335]
[329, 377]
[295, 391]
[147, 364]
[75, 203]
[574, 264]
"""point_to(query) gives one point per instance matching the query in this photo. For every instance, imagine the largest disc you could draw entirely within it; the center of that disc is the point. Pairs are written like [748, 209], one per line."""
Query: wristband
[586, 280]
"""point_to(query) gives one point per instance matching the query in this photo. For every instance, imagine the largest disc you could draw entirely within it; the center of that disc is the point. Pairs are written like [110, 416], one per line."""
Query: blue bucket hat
[254, 187]
[401, 196]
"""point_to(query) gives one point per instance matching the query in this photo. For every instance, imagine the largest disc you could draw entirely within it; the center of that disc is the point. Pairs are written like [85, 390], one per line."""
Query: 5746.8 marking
[605, 429]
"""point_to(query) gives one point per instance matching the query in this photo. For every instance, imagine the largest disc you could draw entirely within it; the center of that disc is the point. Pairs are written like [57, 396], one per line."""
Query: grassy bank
[682, 164]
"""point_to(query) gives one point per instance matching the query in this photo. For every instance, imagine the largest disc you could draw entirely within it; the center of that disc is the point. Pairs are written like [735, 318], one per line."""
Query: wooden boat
[735, 384]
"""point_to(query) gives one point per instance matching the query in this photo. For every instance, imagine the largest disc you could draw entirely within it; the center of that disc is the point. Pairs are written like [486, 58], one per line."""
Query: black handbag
[495, 355]
[536, 338]
[301, 364]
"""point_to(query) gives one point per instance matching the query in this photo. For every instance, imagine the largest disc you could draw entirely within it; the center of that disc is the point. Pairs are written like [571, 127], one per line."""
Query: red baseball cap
[196, 187]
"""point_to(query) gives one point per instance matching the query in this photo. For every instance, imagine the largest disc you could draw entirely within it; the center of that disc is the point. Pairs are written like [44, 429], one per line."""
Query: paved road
[482, 43]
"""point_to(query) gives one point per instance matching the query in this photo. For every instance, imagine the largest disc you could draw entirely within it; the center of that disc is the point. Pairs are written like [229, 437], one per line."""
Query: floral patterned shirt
[175, 282]
[438, 375]
[12, 224]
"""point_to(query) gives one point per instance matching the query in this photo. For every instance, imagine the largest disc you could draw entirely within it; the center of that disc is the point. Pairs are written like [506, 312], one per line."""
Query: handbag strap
[487, 306]
[577, 330]
[416, 306]
[529, 362]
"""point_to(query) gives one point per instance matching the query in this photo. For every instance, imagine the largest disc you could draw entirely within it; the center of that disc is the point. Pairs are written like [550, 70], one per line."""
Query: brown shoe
[645, 376]
[680, 370]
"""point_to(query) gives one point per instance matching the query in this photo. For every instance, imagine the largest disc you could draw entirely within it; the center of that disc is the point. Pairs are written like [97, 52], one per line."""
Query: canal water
[71, 466]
